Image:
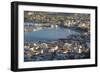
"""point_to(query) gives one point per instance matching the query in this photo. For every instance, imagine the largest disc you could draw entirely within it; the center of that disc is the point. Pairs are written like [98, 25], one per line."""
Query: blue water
[49, 34]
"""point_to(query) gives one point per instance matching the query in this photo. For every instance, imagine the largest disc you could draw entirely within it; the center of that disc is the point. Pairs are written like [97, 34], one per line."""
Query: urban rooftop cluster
[37, 20]
[56, 50]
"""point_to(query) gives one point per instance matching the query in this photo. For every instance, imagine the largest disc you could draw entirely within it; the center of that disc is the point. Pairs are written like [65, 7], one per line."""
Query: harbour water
[49, 34]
